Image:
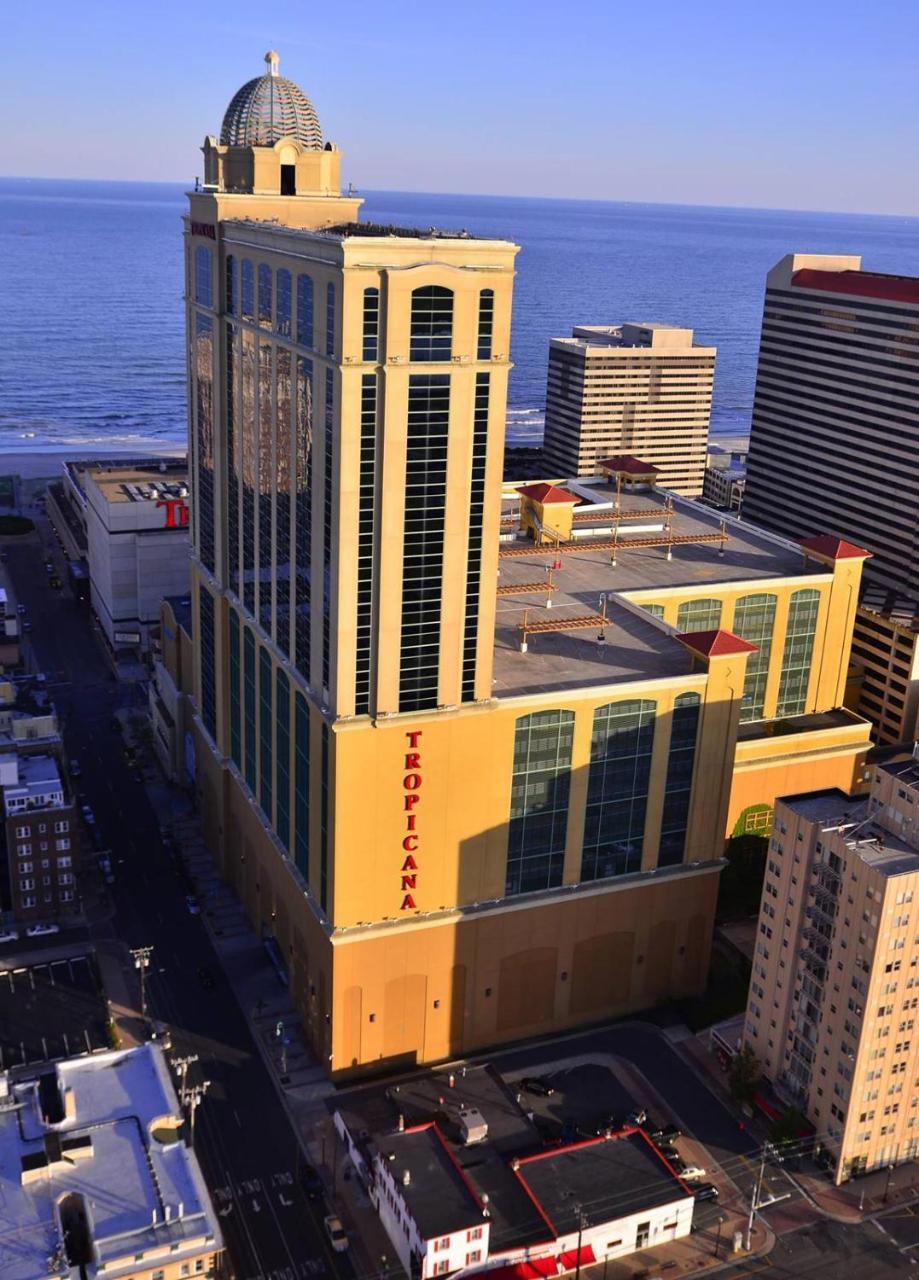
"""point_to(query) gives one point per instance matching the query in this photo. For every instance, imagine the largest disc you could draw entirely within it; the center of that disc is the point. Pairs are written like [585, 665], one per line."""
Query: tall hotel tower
[835, 445]
[458, 821]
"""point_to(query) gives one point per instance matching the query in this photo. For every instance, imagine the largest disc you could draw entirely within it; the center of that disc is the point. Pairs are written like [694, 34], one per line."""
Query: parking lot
[50, 1010]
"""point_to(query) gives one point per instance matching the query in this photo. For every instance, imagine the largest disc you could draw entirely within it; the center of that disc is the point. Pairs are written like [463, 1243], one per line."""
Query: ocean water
[91, 326]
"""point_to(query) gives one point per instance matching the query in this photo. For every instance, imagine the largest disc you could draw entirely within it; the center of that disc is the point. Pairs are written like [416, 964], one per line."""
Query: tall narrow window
[699, 615]
[798, 652]
[266, 482]
[327, 492]
[248, 290]
[265, 731]
[304, 515]
[617, 788]
[754, 621]
[486, 322]
[249, 460]
[330, 319]
[366, 506]
[236, 750]
[283, 473]
[282, 756]
[423, 545]
[233, 473]
[431, 323]
[302, 785]
[231, 285]
[204, 280]
[324, 819]
[678, 793]
[474, 547]
[371, 324]
[204, 426]
[540, 786]
[249, 714]
[264, 295]
[305, 311]
[208, 663]
[288, 179]
[283, 303]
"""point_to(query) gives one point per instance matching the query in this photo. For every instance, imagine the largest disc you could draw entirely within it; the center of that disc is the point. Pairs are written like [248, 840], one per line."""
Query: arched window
[264, 295]
[754, 621]
[305, 311]
[699, 615]
[617, 788]
[432, 323]
[539, 801]
[282, 303]
[681, 760]
[371, 349]
[486, 322]
[799, 649]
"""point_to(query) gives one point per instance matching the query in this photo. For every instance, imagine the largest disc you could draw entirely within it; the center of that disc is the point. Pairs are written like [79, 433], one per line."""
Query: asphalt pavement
[243, 1136]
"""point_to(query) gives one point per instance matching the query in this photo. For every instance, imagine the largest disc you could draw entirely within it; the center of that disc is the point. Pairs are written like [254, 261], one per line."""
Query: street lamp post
[142, 964]
[887, 1183]
[718, 1240]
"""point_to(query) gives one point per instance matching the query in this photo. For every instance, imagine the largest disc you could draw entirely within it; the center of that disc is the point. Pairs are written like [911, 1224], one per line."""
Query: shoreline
[46, 461]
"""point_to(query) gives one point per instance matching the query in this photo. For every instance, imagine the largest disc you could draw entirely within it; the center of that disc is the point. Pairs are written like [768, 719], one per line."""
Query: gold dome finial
[273, 60]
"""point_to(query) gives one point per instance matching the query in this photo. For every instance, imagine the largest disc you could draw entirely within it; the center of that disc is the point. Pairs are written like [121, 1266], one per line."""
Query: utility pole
[181, 1065]
[193, 1099]
[142, 964]
[754, 1200]
[577, 1265]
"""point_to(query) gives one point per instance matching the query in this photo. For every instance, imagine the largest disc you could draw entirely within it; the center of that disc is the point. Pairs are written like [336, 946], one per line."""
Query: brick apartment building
[42, 829]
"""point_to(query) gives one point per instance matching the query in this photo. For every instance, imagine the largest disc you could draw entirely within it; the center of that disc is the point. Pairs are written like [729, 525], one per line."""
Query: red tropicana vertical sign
[176, 512]
[411, 796]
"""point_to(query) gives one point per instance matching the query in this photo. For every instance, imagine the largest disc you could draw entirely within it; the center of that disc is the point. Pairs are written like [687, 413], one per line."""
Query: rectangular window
[799, 646]
[204, 433]
[365, 544]
[283, 500]
[282, 756]
[423, 544]
[324, 819]
[235, 702]
[474, 534]
[754, 621]
[371, 346]
[540, 786]
[431, 335]
[233, 478]
[249, 706]
[266, 731]
[231, 286]
[249, 461]
[266, 483]
[617, 788]
[486, 323]
[327, 494]
[684, 728]
[62, 844]
[301, 784]
[264, 295]
[248, 290]
[330, 319]
[208, 672]
[304, 513]
[22, 833]
[61, 827]
[699, 615]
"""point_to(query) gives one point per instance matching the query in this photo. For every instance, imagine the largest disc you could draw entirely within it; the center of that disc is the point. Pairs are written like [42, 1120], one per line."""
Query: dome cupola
[269, 108]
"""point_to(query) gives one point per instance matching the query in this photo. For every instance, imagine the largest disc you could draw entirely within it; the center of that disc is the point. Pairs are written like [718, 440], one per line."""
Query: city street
[243, 1136]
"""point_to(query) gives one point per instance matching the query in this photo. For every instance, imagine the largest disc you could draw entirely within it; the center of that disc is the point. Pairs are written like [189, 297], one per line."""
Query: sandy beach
[46, 463]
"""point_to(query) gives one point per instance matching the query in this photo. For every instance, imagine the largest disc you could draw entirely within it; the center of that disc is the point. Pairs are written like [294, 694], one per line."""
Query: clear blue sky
[807, 105]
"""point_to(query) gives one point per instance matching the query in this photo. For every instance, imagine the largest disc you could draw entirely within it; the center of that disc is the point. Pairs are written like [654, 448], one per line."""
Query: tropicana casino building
[466, 752]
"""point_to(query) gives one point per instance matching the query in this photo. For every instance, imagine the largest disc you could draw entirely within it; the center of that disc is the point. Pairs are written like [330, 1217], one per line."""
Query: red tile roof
[547, 493]
[628, 465]
[824, 544]
[715, 644]
[861, 284]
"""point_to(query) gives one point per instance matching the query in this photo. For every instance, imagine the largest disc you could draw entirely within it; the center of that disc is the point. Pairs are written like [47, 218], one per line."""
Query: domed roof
[269, 108]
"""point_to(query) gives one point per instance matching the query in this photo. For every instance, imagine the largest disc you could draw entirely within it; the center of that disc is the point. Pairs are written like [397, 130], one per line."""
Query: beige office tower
[833, 1011]
[640, 390]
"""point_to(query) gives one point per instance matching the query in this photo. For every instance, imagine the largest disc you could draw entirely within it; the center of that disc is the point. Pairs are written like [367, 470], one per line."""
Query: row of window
[618, 786]
[754, 621]
[62, 825]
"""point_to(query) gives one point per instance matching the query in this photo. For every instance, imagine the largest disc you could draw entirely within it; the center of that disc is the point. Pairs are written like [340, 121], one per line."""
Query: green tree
[744, 1075]
[788, 1127]
[742, 879]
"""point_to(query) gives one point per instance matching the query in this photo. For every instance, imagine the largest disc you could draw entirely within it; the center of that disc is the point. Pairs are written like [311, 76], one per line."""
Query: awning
[569, 1259]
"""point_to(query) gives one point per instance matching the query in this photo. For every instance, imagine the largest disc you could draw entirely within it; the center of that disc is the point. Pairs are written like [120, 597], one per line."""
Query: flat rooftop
[652, 336]
[878, 847]
[140, 484]
[606, 1177]
[436, 1192]
[636, 646]
[142, 1194]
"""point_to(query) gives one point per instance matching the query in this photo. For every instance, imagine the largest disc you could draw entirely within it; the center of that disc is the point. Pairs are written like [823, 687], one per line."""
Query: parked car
[663, 1137]
[9, 935]
[311, 1182]
[40, 930]
[637, 1117]
[669, 1152]
[336, 1233]
[191, 904]
[693, 1172]
[49, 566]
[538, 1086]
[705, 1191]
